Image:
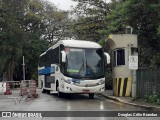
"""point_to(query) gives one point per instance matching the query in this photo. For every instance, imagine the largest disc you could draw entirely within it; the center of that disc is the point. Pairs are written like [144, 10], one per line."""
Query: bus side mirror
[63, 56]
[108, 58]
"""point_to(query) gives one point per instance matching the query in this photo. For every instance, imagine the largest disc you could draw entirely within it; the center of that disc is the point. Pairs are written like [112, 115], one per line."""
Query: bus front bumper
[71, 88]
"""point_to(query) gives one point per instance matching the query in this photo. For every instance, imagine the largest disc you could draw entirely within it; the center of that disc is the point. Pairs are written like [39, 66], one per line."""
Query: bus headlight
[69, 81]
[101, 82]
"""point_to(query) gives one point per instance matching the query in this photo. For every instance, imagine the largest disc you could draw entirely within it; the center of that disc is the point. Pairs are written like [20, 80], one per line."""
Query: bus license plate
[86, 91]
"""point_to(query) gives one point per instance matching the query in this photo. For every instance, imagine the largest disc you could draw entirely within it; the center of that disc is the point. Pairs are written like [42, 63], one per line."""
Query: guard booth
[124, 56]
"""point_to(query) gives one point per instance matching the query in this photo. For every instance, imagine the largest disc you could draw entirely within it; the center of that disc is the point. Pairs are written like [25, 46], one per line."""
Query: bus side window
[62, 65]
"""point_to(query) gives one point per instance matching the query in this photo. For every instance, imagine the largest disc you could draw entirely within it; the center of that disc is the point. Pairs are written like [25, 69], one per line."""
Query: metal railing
[148, 82]
[16, 90]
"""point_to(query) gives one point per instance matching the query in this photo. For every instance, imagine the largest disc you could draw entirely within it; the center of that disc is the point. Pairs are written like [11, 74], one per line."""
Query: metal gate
[17, 90]
[148, 81]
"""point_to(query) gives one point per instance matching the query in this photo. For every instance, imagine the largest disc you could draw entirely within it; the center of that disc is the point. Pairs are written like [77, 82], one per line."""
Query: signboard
[133, 62]
[2, 87]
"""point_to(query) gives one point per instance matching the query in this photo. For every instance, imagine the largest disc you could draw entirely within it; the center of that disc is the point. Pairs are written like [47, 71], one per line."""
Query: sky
[66, 4]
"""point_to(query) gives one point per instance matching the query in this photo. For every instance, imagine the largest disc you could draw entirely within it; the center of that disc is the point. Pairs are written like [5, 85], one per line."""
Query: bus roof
[74, 43]
[77, 43]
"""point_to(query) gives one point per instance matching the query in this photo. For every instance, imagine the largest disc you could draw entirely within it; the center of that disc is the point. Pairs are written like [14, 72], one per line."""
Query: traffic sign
[133, 62]
[2, 87]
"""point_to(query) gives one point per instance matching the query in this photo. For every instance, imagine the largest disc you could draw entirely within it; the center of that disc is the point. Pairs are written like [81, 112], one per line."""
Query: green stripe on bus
[71, 70]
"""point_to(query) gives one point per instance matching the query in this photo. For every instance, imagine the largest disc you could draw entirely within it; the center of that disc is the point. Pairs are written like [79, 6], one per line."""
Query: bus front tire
[43, 91]
[91, 95]
[60, 94]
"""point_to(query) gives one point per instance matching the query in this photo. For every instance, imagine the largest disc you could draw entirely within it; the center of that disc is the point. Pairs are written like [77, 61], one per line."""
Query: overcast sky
[66, 4]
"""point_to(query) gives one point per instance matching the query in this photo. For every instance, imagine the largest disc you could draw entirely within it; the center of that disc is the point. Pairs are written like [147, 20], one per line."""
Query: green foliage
[27, 28]
[155, 61]
[101, 42]
[117, 18]
[109, 79]
[155, 98]
[144, 17]
[159, 30]
[91, 19]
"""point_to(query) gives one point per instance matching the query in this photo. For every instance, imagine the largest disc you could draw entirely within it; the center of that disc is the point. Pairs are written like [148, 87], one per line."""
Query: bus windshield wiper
[81, 69]
[91, 69]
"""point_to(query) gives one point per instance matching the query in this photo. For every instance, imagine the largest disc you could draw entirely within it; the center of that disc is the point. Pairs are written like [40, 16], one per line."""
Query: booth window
[119, 57]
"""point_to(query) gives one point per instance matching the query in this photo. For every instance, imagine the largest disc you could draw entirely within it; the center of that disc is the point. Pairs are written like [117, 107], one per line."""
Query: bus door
[57, 73]
[54, 76]
[50, 78]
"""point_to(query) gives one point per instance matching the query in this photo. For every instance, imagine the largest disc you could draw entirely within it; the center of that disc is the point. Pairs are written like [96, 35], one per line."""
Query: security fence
[148, 81]
[17, 90]
[10, 90]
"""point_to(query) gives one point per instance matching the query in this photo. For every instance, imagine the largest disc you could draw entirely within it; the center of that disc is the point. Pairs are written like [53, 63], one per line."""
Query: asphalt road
[50, 102]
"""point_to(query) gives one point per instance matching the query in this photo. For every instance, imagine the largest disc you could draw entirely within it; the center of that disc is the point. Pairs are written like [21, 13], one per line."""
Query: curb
[151, 108]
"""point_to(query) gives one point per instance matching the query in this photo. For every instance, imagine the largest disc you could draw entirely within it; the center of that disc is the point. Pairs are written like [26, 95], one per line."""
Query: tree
[11, 34]
[143, 16]
[91, 19]
[27, 28]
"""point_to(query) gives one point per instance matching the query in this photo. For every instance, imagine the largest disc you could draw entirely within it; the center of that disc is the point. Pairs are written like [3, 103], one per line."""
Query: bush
[154, 98]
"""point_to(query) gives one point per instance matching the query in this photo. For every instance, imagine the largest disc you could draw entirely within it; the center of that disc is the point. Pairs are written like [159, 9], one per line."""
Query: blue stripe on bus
[47, 70]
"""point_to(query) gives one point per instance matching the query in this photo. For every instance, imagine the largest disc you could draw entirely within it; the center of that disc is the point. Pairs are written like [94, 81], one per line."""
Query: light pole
[23, 69]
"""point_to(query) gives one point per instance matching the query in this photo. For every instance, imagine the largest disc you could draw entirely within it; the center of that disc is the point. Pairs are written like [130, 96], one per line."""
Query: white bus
[73, 66]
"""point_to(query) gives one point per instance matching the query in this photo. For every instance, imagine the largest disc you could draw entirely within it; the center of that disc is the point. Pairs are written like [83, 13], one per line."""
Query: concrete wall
[122, 40]
[125, 41]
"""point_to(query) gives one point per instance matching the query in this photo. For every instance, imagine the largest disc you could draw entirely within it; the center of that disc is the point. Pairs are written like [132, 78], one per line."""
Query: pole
[23, 69]
[133, 73]
[134, 84]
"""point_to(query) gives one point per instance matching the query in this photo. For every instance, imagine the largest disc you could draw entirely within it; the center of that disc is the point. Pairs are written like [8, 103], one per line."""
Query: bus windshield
[84, 63]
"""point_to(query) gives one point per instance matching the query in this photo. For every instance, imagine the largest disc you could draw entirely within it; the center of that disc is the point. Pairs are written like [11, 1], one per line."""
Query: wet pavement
[50, 102]
[53, 103]
[131, 101]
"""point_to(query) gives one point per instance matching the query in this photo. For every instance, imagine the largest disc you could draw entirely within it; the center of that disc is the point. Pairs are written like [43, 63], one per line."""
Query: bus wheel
[91, 95]
[44, 91]
[59, 93]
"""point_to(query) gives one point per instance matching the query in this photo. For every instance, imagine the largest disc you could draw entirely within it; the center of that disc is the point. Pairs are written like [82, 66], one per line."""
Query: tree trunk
[11, 68]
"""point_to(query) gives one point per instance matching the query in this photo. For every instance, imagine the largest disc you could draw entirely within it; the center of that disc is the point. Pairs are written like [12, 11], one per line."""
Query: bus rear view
[81, 65]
